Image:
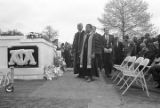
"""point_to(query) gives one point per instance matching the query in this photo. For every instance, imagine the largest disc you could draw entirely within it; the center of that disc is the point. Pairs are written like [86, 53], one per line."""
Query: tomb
[27, 56]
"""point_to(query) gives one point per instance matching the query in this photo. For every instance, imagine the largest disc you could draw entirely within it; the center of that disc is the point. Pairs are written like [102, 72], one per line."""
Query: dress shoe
[79, 76]
[89, 80]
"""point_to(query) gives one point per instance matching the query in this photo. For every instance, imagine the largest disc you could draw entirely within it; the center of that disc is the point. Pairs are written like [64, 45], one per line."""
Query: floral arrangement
[54, 71]
[59, 62]
[51, 72]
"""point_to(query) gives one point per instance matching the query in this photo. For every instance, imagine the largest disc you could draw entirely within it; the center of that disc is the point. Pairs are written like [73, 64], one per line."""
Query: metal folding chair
[136, 75]
[118, 68]
[125, 67]
[132, 68]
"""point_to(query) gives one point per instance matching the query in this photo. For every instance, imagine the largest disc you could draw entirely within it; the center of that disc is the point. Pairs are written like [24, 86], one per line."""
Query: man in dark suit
[117, 51]
[97, 49]
[76, 49]
[107, 52]
[127, 47]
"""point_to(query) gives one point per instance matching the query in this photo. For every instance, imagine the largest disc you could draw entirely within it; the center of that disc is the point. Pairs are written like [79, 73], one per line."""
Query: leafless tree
[50, 33]
[127, 17]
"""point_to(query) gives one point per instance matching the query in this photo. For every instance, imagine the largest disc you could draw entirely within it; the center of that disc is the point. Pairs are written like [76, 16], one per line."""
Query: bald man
[76, 49]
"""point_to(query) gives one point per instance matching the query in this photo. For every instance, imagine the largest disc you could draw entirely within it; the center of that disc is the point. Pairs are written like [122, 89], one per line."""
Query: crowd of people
[93, 52]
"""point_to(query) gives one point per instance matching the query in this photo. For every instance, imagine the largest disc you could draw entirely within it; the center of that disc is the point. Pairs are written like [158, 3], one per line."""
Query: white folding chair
[126, 67]
[119, 67]
[122, 64]
[133, 68]
[137, 75]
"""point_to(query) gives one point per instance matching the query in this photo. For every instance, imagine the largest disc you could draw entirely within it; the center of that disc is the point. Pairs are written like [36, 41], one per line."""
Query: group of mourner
[93, 52]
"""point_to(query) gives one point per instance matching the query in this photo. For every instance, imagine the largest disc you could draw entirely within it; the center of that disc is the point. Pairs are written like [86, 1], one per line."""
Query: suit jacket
[77, 43]
[97, 45]
[107, 44]
[107, 57]
[118, 52]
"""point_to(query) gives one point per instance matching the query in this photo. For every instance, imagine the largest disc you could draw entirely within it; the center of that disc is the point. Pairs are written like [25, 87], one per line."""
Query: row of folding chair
[131, 70]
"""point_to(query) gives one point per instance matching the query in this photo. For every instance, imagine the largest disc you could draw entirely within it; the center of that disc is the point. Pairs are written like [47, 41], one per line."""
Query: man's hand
[107, 50]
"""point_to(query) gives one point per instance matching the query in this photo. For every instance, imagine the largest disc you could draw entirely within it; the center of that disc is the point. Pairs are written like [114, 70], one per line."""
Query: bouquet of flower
[59, 62]
[50, 73]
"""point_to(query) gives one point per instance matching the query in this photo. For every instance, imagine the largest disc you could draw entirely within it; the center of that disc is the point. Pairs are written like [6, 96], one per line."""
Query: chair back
[131, 61]
[144, 63]
[125, 61]
[142, 66]
[137, 63]
[139, 60]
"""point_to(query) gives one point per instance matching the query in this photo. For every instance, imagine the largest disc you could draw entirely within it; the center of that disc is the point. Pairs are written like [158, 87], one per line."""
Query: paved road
[71, 92]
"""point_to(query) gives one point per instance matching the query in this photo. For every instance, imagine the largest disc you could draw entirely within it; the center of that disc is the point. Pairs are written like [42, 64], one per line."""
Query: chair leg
[141, 81]
[125, 83]
[145, 85]
[149, 77]
[120, 80]
[116, 77]
[113, 75]
[129, 86]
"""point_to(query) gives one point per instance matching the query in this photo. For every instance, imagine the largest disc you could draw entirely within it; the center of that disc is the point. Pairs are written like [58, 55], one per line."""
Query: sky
[63, 15]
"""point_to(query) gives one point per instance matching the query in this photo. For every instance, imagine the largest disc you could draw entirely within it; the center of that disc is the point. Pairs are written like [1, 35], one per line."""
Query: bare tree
[127, 17]
[50, 33]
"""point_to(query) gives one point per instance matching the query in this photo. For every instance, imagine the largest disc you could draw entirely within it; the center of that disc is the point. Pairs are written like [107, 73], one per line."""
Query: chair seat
[123, 69]
[116, 67]
[131, 73]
